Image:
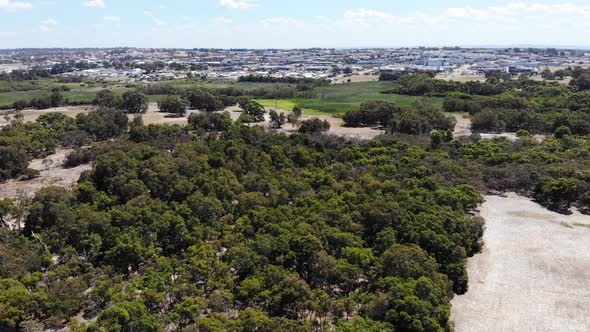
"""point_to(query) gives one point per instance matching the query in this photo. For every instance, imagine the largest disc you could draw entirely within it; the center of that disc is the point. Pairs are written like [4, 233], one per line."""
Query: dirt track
[532, 274]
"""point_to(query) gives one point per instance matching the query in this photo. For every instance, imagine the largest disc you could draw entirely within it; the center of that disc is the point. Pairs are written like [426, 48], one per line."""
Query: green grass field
[338, 99]
[78, 92]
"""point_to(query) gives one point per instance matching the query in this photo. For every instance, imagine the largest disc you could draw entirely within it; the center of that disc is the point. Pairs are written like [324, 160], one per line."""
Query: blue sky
[291, 24]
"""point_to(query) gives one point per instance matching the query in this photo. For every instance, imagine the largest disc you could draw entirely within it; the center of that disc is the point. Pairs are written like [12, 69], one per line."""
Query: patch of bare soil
[462, 78]
[463, 125]
[532, 274]
[154, 116]
[52, 174]
[357, 78]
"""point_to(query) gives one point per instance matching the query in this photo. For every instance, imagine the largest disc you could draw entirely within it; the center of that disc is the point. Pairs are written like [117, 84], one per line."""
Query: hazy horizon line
[482, 46]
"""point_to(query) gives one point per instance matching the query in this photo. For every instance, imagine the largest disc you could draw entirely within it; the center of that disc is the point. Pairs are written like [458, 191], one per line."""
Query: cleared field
[286, 104]
[532, 274]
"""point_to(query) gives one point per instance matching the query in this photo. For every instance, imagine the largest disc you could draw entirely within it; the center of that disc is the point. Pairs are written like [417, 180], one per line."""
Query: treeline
[19, 75]
[424, 85]
[54, 98]
[241, 230]
[496, 82]
[290, 80]
[419, 121]
[580, 79]
[394, 76]
[540, 110]
[553, 171]
[504, 104]
[278, 91]
[511, 120]
[134, 101]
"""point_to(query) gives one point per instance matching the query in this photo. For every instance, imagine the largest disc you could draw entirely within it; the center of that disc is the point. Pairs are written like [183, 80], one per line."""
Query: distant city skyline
[300, 24]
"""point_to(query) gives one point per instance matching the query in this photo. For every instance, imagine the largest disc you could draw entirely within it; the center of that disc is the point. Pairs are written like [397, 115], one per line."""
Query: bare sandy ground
[463, 125]
[357, 78]
[532, 274]
[153, 116]
[52, 174]
[461, 78]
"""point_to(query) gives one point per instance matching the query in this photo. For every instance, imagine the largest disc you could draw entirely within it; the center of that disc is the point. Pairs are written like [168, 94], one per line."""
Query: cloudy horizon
[305, 24]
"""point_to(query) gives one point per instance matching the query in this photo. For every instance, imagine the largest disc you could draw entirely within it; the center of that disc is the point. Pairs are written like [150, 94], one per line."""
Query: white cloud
[278, 21]
[236, 4]
[368, 14]
[506, 13]
[158, 22]
[50, 21]
[223, 20]
[48, 25]
[94, 4]
[12, 6]
[111, 18]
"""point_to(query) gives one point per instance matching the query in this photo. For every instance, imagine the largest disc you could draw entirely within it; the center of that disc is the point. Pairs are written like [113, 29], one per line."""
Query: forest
[218, 225]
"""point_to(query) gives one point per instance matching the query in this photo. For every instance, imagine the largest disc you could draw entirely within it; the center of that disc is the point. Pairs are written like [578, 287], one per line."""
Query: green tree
[203, 101]
[56, 99]
[314, 125]
[135, 102]
[562, 131]
[255, 110]
[17, 303]
[277, 120]
[407, 261]
[173, 104]
[108, 99]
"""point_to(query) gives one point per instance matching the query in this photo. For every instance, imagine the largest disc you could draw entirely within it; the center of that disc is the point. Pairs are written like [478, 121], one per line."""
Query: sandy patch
[463, 125]
[154, 116]
[462, 78]
[52, 174]
[356, 79]
[532, 274]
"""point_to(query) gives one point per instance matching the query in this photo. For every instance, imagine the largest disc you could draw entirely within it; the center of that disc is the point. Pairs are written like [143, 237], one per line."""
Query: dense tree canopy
[285, 233]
